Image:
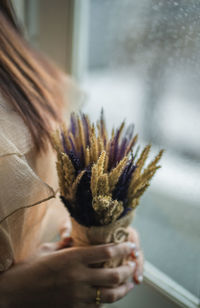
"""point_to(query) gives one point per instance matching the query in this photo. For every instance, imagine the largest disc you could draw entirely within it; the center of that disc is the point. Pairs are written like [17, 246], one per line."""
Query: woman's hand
[65, 278]
[137, 256]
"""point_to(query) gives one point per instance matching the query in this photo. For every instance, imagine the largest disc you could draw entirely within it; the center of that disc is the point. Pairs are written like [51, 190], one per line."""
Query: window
[143, 64]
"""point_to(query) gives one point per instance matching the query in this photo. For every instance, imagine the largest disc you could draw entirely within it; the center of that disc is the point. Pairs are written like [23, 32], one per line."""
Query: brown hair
[27, 80]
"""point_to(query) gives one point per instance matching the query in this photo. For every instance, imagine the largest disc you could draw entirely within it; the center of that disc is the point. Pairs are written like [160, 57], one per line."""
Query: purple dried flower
[121, 188]
[86, 129]
[75, 161]
[84, 208]
[64, 143]
[73, 126]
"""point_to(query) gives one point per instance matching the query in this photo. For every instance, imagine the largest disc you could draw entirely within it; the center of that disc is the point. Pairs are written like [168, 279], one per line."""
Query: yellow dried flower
[93, 145]
[60, 172]
[94, 180]
[87, 157]
[144, 178]
[65, 133]
[116, 172]
[141, 160]
[140, 191]
[139, 165]
[69, 171]
[100, 163]
[102, 185]
[134, 203]
[97, 171]
[55, 141]
[100, 145]
[142, 181]
[106, 163]
[131, 144]
[107, 209]
[75, 185]
[155, 160]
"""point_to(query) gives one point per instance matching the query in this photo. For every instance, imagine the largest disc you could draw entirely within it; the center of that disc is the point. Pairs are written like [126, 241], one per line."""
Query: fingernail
[132, 264]
[136, 253]
[140, 278]
[131, 245]
[130, 286]
[65, 235]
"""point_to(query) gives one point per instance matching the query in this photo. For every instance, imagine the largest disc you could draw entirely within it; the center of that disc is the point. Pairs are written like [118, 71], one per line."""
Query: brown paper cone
[115, 232]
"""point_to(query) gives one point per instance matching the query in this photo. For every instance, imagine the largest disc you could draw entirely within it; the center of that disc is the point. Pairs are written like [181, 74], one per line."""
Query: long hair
[27, 80]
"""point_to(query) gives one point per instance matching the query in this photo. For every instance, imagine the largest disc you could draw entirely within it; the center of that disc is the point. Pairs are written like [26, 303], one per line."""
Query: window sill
[169, 288]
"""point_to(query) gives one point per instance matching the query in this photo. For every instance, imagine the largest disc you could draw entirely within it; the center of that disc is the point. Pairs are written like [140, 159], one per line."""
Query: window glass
[143, 64]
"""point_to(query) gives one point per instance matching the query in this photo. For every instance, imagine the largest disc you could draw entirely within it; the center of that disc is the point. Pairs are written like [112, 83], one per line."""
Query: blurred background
[140, 61]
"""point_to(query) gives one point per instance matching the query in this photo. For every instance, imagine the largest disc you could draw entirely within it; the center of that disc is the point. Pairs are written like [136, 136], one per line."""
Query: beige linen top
[30, 209]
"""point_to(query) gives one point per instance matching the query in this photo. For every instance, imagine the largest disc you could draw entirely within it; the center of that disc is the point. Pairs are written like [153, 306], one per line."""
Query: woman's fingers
[65, 243]
[137, 256]
[102, 253]
[65, 230]
[111, 295]
[110, 277]
[47, 248]
[107, 295]
[134, 238]
[138, 274]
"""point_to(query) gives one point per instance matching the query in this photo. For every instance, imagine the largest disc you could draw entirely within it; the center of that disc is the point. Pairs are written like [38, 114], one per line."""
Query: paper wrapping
[115, 232]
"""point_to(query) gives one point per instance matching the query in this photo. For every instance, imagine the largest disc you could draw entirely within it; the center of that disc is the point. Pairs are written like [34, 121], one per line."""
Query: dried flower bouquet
[101, 179]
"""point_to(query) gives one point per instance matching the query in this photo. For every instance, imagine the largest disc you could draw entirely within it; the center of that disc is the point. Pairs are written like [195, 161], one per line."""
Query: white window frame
[168, 287]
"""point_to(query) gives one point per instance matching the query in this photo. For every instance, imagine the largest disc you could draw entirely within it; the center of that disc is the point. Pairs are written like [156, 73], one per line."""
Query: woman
[34, 271]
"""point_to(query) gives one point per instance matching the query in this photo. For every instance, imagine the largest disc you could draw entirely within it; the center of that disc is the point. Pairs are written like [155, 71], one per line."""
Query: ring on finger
[98, 296]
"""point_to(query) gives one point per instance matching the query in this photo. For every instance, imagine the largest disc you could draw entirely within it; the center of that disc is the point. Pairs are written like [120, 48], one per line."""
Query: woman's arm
[65, 278]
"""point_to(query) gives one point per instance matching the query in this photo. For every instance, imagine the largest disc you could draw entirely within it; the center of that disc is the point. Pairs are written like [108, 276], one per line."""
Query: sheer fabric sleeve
[6, 251]
[20, 186]
[26, 181]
